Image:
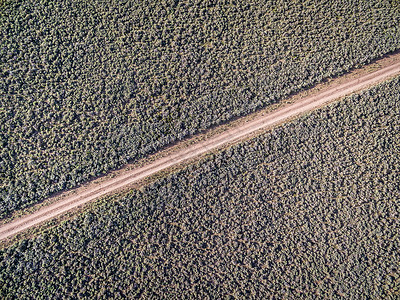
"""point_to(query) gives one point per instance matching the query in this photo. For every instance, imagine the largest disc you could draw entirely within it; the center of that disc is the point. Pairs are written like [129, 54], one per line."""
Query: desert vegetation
[86, 86]
[308, 210]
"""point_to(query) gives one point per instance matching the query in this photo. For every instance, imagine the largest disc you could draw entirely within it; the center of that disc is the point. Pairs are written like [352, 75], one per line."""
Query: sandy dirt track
[232, 135]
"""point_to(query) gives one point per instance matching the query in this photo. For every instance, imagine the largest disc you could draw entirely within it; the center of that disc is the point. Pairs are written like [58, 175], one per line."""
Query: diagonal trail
[232, 135]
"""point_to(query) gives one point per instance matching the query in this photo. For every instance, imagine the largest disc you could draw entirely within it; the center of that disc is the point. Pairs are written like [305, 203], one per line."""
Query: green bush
[87, 86]
[309, 210]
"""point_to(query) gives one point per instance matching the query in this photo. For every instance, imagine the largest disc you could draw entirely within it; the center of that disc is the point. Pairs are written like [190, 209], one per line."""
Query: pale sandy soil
[217, 138]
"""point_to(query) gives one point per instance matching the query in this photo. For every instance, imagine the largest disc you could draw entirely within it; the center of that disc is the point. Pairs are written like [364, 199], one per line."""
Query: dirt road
[232, 135]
